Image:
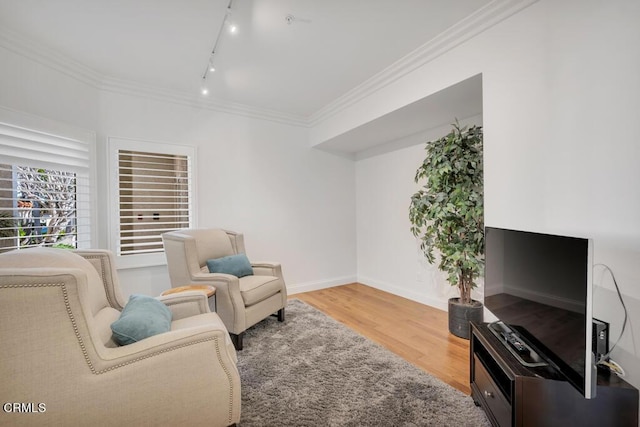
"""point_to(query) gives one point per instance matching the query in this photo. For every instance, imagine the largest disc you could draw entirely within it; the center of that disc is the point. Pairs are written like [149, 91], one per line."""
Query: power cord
[613, 367]
[604, 359]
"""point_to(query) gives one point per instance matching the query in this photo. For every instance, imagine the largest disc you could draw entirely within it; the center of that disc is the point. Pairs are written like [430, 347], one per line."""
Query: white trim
[16, 43]
[113, 145]
[140, 260]
[320, 284]
[124, 87]
[483, 19]
[68, 66]
[75, 143]
[412, 295]
[486, 17]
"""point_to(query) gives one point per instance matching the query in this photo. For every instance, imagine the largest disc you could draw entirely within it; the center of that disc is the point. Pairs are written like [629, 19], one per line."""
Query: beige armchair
[60, 365]
[240, 302]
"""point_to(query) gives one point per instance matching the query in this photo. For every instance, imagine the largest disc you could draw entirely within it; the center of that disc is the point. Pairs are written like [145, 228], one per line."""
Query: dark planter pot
[461, 314]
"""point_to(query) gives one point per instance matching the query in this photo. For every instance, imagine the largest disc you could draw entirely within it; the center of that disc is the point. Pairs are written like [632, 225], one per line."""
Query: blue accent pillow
[236, 265]
[141, 318]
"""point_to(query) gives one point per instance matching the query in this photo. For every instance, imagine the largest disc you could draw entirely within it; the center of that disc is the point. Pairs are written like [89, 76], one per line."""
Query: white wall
[294, 204]
[389, 257]
[29, 86]
[561, 99]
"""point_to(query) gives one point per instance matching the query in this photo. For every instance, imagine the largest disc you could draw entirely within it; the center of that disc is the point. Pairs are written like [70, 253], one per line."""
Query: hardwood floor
[416, 332]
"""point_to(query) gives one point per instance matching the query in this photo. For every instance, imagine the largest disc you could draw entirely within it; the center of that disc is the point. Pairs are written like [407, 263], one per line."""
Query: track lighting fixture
[210, 66]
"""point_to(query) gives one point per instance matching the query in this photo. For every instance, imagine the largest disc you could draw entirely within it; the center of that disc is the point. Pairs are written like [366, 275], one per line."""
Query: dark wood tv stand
[514, 395]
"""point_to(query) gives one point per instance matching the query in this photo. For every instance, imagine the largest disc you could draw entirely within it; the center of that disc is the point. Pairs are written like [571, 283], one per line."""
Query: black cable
[624, 324]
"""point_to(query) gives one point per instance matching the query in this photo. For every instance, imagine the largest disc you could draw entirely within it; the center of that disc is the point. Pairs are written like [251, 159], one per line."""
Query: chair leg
[281, 315]
[237, 340]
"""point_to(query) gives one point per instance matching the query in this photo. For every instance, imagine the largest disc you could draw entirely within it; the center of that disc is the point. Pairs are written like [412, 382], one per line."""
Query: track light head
[204, 90]
[233, 29]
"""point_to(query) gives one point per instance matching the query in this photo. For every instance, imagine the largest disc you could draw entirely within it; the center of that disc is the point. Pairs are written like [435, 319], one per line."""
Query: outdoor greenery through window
[38, 207]
[45, 183]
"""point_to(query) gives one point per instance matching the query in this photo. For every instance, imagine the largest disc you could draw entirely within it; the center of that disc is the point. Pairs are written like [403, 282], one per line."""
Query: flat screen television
[539, 286]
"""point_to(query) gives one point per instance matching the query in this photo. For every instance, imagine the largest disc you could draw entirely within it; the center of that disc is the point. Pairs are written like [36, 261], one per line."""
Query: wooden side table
[210, 291]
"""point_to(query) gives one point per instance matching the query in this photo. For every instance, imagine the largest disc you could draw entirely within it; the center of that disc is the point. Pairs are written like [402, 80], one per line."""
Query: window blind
[44, 188]
[154, 192]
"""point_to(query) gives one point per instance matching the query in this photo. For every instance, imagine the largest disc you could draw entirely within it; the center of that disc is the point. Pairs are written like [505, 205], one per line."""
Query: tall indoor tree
[447, 213]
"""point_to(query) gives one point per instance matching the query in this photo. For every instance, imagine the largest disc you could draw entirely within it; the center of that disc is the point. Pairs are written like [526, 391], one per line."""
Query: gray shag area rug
[313, 371]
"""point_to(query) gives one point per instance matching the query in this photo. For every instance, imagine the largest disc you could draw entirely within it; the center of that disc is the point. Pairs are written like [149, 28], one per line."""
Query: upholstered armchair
[60, 364]
[240, 302]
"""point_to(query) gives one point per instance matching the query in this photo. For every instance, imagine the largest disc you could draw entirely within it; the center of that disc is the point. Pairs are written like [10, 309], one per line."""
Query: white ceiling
[330, 47]
[457, 102]
[460, 101]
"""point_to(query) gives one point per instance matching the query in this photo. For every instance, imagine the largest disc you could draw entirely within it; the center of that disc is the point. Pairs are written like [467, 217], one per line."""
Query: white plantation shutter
[45, 183]
[42, 150]
[154, 194]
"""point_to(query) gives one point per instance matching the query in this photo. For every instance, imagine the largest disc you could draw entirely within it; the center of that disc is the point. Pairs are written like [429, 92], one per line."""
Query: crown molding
[21, 46]
[483, 19]
[68, 66]
[479, 21]
[128, 87]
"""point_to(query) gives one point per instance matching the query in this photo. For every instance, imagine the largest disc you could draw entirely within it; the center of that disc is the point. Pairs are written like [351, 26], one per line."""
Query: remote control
[515, 342]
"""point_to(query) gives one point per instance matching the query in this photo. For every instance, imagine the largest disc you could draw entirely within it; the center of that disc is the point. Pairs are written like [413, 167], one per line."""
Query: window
[40, 209]
[152, 189]
[44, 184]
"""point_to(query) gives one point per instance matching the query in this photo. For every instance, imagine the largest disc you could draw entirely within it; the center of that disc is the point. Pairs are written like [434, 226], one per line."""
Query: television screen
[539, 285]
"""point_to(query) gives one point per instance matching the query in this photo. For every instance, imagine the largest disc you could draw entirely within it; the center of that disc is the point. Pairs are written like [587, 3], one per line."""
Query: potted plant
[447, 215]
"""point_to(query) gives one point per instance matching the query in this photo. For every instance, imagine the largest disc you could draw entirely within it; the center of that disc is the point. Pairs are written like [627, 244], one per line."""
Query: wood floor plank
[416, 332]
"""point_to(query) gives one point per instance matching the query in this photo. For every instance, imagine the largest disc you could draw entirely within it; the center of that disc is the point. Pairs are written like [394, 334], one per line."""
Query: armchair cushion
[141, 318]
[258, 288]
[236, 265]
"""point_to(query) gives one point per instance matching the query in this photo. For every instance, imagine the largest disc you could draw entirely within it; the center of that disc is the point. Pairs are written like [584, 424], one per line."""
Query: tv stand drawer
[514, 395]
[490, 394]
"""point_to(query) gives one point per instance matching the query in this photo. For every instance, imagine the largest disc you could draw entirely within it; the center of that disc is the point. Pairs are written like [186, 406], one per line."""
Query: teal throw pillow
[236, 265]
[141, 318]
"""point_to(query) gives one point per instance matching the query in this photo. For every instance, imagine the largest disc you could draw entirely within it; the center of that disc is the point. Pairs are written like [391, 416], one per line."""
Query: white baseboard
[387, 287]
[320, 284]
[405, 293]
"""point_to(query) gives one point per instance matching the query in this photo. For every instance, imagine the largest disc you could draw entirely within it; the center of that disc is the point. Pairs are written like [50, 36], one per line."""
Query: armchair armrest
[104, 263]
[185, 304]
[196, 358]
[227, 285]
[211, 277]
[230, 305]
[265, 268]
[115, 357]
